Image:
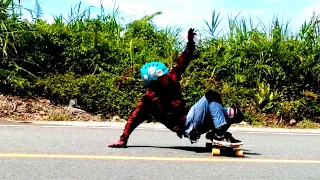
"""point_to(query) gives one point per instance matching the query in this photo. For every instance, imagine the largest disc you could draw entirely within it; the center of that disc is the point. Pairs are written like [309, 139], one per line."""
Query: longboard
[224, 150]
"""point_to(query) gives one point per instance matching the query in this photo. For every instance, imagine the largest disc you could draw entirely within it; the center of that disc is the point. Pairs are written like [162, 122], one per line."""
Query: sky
[189, 13]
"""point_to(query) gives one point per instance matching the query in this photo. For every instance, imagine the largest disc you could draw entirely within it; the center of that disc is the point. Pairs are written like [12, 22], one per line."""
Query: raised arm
[184, 59]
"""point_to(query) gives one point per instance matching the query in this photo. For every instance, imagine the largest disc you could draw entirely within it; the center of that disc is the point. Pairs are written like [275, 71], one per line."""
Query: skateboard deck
[224, 150]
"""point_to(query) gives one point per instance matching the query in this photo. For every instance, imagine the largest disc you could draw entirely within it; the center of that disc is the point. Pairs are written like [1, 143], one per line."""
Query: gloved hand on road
[118, 144]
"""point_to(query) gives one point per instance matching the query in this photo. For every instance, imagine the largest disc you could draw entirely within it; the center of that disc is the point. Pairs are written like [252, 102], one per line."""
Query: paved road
[58, 152]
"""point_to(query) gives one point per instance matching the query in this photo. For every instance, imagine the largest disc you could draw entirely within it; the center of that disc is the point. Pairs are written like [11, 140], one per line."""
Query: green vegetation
[272, 72]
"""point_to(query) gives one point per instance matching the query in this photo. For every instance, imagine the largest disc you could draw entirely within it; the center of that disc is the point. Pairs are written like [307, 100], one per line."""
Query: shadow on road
[194, 149]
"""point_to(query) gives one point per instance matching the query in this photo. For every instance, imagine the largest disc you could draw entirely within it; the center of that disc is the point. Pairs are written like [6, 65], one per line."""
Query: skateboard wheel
[215, 152]
[239, 153]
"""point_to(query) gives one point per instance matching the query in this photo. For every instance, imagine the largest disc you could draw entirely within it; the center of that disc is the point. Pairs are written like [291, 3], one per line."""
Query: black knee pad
[238, 115]
[213, 96]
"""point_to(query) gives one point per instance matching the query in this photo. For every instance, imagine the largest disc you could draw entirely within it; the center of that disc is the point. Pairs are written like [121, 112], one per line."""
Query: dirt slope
[35, 109]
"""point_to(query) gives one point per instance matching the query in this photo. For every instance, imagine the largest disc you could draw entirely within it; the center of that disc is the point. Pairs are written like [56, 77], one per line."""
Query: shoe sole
[221, 143]
[225, 144]
[236, 144]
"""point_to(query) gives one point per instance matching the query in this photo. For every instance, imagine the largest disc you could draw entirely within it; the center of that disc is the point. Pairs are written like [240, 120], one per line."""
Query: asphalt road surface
[58, 152]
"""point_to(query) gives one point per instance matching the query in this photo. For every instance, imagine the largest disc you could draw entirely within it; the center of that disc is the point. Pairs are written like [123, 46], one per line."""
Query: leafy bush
[101, 93]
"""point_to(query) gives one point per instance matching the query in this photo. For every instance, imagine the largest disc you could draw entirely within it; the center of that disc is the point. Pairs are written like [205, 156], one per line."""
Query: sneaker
[214, 135]
[223, 142]
[210, 135]
[193, 136]
[218, 139]
[232, 140]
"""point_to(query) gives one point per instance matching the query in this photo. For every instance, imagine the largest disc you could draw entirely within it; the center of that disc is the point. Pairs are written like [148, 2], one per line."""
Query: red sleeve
[137, 117]
[183, 62]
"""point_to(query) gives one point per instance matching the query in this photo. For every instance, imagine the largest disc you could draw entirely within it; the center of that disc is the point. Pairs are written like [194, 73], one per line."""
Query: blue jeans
[204, 116]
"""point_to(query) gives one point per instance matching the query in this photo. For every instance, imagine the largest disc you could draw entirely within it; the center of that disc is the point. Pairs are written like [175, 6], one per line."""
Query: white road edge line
[160, 129]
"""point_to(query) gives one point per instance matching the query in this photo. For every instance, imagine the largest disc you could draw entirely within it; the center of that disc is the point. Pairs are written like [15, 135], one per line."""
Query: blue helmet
[153, 70]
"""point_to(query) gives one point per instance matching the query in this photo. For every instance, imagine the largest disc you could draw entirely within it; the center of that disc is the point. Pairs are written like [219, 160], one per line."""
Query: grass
[307, 124]
[59, 117]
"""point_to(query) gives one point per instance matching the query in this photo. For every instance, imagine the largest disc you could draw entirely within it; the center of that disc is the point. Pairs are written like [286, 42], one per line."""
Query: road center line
[146, 158]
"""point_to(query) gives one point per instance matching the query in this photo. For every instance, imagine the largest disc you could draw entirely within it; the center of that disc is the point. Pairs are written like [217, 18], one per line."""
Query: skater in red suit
[163, 98]
[164, 101]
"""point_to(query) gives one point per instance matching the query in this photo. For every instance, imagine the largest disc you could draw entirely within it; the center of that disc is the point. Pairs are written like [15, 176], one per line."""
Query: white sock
[230, 112]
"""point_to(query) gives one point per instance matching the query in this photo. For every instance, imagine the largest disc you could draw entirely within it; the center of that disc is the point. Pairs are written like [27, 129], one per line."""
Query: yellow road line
[190, 159]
